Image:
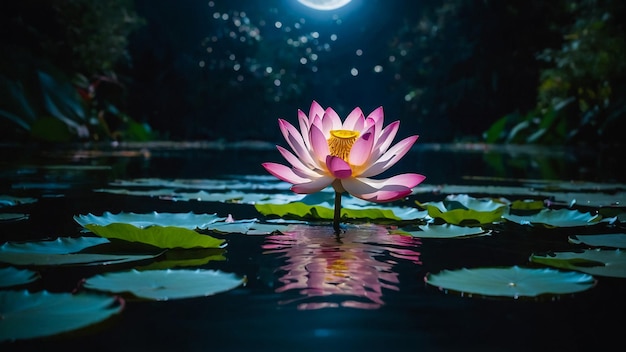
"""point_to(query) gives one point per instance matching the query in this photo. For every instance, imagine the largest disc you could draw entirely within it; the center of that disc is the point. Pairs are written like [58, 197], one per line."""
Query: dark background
[526, 71]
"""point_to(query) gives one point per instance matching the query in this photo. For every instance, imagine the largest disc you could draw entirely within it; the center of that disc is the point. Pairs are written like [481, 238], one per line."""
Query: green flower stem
[337, 213]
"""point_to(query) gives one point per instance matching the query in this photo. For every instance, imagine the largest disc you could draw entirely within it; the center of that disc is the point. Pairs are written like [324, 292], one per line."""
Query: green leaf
[188, 220]
[28, 315]
[512, 281]
[162, 285]
[463, 209]
[158, 236]
[601, 262]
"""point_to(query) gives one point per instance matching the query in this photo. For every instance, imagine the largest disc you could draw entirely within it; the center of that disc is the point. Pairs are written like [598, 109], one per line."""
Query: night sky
[228, 69]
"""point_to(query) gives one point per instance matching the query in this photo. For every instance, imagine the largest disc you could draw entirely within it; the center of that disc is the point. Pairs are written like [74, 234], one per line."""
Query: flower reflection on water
[346, 270]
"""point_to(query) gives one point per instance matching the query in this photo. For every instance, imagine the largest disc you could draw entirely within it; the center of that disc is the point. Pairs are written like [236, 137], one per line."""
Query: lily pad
[60, 245]
[9, 201]
[162, 285]
[601, 262]
[557, 218]
[615, 240]
[463, 209]
[28, 315]
[43, 259]
[157, 236]
[13, 217]
[512, 281]
[11, 276]
[189, 220]
[442, 231]
[320, 205]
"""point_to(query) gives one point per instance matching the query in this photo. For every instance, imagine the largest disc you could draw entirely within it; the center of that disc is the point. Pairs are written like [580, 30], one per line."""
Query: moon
[324, 5]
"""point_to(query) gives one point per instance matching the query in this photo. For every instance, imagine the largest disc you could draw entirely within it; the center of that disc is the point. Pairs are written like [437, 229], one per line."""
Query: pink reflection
[351, 266]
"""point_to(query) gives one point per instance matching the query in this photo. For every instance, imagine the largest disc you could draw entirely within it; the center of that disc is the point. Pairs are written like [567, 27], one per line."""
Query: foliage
[58, 71]
[580, 97]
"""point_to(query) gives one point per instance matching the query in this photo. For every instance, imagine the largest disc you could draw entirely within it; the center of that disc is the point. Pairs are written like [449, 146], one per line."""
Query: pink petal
[353, 119]
[319, 144]
[315, 185]
[338, 167]
[330, 121]
[390, 157]
[304, 127]
[315, 110]
[385, 190]
[296, 163]
[384, 140]
[284, 173]
[295, 141]
[376, 118]
[362, 148]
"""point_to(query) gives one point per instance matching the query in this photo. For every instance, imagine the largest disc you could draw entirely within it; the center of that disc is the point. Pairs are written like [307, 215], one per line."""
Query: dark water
[308, 290]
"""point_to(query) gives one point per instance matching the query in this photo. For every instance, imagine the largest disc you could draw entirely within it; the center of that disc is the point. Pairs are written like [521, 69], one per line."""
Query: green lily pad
[320, 205]
[174, 258]
[27, 315]
[601, 262]
[615, 240]
[442, 231]
[189, 220]
[157, 236]
[463, 209]
[557, 218]
[162, 285]
[512, 281]
[11, 276]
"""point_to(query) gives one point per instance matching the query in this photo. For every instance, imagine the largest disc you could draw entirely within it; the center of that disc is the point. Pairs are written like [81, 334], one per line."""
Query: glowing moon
[324, 5]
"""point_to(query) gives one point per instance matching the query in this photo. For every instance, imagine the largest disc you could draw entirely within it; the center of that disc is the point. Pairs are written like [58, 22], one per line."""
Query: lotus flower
[327, 151]
[344, 155]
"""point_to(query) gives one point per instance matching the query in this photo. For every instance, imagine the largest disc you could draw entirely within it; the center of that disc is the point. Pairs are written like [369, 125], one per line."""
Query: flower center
[340, 143]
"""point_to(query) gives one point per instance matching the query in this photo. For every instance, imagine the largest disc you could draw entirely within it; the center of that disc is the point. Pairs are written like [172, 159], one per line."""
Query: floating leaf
[189, 220]
[615, 240]
[60, 245]
[11, 276]
[42, 259]
[158, 236]
[9, 201]
[556, 218]
[13, 217]
[601, 262]
[512, 281]
[28, 315]
[164, 285]
[321, 206]
[441, 231]
[459, 209]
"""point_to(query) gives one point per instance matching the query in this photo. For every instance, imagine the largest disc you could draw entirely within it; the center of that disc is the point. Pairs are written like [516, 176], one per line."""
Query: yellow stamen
[340, 143]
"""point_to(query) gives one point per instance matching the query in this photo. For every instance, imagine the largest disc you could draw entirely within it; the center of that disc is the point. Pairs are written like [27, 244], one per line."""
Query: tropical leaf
[601, 262]
[11, 276]
[162, 285]
[157, 236]
[512, 281]
[27, 315]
